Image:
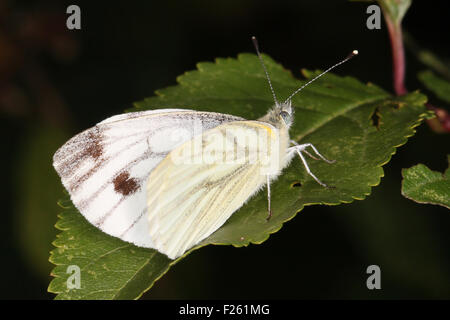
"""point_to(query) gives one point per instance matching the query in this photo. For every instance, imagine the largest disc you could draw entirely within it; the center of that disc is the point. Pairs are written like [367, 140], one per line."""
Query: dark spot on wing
[94, 147]
[124, 184]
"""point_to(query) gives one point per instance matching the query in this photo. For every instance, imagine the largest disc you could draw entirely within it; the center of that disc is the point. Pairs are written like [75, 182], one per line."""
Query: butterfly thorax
[281, 117]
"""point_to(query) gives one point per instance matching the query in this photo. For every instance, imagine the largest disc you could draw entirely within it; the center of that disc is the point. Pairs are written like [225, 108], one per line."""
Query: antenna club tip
[352, 54]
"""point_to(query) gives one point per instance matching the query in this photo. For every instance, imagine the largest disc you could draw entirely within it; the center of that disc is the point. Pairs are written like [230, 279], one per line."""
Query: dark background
[55, 82]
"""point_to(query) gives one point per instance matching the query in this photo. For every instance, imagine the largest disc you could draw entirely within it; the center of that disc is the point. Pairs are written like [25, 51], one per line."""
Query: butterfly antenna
[255, 43]
[351, 55]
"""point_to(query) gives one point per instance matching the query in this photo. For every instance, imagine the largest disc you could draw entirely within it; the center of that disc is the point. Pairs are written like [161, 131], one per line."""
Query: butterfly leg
[317, 152]
[307, 153]
[268, 199]
[301, 148]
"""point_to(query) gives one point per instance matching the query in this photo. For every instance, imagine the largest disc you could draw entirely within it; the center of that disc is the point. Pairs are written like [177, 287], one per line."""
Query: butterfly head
[285, 113]
[281, 115]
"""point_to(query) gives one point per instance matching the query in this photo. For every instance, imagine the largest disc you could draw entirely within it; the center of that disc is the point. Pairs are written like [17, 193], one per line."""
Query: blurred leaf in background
[34, 120]
[439, 86]
[36, 184]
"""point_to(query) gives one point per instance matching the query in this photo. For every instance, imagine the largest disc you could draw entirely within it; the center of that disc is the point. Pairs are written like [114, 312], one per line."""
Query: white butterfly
[126, 178]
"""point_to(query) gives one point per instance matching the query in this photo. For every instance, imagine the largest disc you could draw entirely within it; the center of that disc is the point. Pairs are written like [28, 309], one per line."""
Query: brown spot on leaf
[124, 184]
[399, 104]
[376, 118]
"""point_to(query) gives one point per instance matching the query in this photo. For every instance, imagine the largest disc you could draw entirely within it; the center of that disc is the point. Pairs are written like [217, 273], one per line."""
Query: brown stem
[442, 121]
[398, 57]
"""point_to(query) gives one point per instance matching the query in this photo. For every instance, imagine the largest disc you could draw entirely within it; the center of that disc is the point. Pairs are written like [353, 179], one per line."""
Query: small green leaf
[358, 125]
[439, 86]
[395, 10]
[423, 185]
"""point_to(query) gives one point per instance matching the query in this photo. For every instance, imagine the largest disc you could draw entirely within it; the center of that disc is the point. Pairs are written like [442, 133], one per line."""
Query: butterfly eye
[286, 117]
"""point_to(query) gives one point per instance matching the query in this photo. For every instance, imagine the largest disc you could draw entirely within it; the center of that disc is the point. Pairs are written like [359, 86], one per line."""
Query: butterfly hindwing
[189, 197]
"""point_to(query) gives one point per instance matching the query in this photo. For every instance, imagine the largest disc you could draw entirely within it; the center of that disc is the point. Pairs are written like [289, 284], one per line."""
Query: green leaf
[36, 184]
[439, 86]
[423, 185]
[358, 125]
[395, 10]
[426, 56]
[110, 268]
